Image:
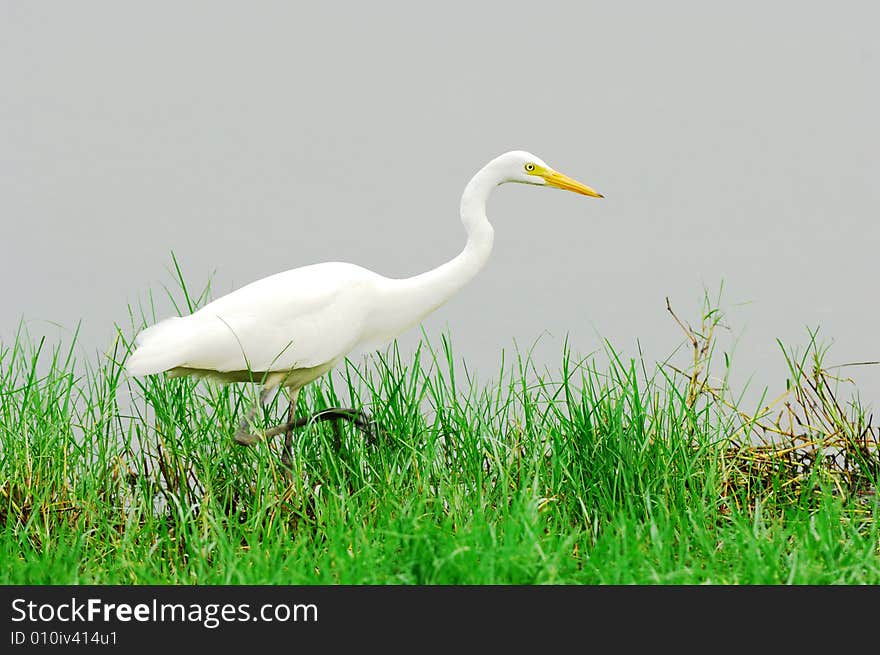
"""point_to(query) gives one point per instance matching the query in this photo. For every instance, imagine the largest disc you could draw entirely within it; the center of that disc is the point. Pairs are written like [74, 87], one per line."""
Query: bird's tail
[160, 347]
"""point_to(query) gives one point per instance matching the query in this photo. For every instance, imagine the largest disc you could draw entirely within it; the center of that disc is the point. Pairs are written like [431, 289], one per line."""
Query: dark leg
[358, 417]
[246, 437]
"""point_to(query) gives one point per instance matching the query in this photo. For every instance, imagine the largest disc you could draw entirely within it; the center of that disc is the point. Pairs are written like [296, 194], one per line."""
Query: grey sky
[734, 142]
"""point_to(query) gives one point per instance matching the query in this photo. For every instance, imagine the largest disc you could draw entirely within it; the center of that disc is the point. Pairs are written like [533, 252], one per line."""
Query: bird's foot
[246, 435]
[246, 438]
[243, 438]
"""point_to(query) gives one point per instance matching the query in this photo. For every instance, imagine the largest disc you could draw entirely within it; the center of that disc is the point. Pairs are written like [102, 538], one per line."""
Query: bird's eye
[530, 167]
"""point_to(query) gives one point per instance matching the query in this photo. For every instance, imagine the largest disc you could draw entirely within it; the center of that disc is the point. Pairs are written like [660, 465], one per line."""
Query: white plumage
[299, 319]
[292, 327]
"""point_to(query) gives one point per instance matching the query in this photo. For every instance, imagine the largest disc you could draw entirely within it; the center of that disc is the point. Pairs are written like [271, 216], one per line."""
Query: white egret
[290, 328]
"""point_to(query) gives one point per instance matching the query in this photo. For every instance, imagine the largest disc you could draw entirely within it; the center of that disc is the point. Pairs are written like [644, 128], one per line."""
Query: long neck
[422, 294]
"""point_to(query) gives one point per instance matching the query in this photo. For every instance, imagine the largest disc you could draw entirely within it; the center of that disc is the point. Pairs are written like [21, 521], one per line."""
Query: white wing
[297, 319]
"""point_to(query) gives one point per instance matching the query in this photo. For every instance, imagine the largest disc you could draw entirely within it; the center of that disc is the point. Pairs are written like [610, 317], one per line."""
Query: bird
[291, 328]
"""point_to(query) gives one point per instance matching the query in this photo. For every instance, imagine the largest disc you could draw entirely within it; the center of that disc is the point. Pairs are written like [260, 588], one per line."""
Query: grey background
[735, 142]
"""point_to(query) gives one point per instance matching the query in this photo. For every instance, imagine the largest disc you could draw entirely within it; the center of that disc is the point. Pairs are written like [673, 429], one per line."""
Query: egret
[288, 329]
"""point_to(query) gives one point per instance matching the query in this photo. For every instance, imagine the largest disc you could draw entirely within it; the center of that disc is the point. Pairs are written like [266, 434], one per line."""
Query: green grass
[620, 473]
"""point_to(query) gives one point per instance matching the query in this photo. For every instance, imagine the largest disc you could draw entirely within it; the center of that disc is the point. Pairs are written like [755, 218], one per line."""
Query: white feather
[296, 325]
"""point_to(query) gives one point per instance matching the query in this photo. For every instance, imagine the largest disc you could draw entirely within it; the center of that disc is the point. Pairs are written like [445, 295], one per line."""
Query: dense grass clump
[592, 475]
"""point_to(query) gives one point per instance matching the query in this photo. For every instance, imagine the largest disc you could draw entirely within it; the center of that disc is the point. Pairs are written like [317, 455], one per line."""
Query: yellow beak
[560, 181]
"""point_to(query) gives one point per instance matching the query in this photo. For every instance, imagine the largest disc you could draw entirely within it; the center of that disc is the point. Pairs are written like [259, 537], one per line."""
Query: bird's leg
[287, 453]
[243, 435]
[357, 417]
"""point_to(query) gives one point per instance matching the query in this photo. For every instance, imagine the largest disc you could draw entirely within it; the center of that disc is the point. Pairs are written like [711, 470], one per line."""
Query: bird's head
[525, 168]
